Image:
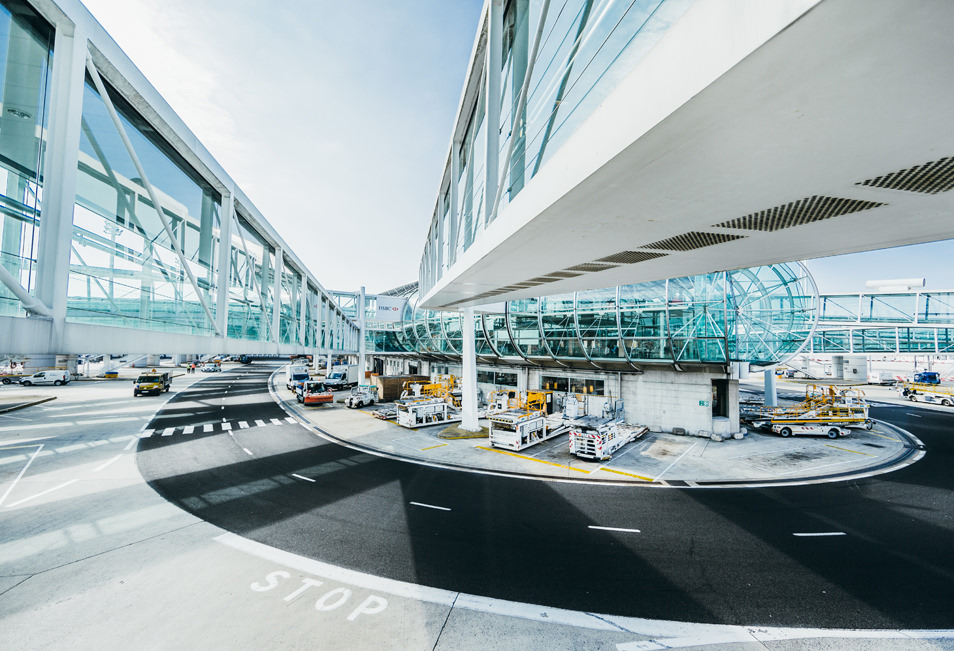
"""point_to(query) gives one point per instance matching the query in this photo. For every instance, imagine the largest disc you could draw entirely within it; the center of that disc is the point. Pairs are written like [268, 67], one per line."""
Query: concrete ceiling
[794, 137]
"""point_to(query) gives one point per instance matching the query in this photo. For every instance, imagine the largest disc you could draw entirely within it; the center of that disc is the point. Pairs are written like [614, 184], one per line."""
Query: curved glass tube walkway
[763, 316]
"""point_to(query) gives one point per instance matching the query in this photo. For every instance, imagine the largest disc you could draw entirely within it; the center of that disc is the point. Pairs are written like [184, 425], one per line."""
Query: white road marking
[259, 423]
[131, 443]
[823, 533]
[614, 529]
[248, 452]
[431, 506]
[290, 420]
[275, 421]
[208, 428]
[42, 493]
[243, 424]
[116, 458]
[188, 429]
[21, 472]
[146, 433]
[305, 478]
[677, 460]
[169, 431]
[915, 415]
[227, 426]
[22, 441]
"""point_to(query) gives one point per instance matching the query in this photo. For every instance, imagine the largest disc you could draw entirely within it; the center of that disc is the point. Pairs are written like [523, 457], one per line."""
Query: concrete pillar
[277, 295]
[469, 375]
[224, 275]
[771, 394]
[152, 360]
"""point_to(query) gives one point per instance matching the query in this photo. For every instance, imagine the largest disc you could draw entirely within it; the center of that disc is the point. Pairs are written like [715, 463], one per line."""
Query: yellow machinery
[844, 406]
[923, 392]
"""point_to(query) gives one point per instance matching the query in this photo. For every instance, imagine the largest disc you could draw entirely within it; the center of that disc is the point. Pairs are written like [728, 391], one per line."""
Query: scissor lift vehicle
[930, 393]
[831, 407]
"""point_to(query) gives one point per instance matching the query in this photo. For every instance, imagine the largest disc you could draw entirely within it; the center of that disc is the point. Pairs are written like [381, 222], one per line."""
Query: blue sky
[335, 118]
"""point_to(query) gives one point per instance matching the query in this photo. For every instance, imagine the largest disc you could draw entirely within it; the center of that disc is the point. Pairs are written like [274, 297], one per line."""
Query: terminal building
[620, 215]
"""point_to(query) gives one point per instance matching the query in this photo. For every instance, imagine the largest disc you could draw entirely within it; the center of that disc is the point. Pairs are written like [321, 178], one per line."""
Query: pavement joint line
[523, 456]
[847, 450]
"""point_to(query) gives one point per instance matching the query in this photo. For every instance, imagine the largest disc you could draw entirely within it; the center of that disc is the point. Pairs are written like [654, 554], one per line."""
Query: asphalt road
[872, 553]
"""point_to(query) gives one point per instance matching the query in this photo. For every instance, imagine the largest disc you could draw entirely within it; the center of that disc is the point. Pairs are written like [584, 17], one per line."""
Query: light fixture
[18, 113]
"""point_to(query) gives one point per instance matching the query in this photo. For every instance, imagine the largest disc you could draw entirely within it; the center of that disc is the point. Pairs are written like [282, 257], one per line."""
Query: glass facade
[26, 54]
[762, 315]
[124, 268]
[250, 286]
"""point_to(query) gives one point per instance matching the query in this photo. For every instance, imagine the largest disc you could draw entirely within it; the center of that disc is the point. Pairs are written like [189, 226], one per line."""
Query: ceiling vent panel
[564, 274]
[796, 213]
[929, 178]
[631, 257]
[591, 266]
[692, 241]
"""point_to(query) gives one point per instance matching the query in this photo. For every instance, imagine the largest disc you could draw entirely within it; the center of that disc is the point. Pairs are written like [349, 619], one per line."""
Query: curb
[26, 404]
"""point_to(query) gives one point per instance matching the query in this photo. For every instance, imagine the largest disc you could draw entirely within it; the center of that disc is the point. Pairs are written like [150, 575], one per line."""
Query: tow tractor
[365, 394]
[927, 392]
[313, 392]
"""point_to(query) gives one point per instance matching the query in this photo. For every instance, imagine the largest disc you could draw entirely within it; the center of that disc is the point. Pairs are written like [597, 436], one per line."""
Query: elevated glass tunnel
[762, 316]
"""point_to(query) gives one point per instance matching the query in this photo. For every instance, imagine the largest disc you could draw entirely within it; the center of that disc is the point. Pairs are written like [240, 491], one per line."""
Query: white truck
[342, 376]
[366, 394]
[295, 375]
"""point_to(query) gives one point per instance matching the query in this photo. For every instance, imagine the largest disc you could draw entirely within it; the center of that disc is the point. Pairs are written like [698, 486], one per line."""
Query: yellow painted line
[847, 450]
[434, 446]
[17, 447]
[521, 456]
[883, 436]
[628, 474]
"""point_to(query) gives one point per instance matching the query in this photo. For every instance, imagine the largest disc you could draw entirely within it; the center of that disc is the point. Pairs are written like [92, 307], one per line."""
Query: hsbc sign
[389, 308]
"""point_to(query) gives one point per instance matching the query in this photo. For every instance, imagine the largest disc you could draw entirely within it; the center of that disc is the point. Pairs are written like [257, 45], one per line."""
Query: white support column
[771, 394]
[493, 90]
[469, 374]
[59, 175]
[278, 270]
[224, 275]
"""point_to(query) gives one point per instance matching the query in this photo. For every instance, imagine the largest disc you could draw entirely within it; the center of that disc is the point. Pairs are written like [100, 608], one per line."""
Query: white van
[56, 377]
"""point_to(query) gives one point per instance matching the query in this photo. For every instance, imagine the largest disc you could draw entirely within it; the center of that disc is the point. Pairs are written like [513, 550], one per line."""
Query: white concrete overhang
[740, 109]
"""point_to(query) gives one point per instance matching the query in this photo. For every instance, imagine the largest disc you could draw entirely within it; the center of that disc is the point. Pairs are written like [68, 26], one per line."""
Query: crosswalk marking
[169, 431]
[275, 421]
[146, 433]
[188, 429]
[289, 420]
[226, 426]
[208, 428]
[243, 424]
[259, 423]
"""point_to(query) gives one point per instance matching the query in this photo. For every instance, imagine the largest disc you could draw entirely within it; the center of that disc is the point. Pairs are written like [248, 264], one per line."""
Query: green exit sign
[703, 403]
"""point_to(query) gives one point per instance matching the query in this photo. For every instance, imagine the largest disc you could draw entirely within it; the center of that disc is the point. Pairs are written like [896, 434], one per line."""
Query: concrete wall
[663, 399]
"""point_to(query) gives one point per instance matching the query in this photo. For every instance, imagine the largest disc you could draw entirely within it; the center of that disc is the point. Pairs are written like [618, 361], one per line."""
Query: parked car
[57, 377]
[210, 368]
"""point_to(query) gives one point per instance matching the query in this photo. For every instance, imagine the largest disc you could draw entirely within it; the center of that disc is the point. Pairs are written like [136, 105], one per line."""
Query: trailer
[413, 413]
[516, 429]
[600, 438]
[831, 430]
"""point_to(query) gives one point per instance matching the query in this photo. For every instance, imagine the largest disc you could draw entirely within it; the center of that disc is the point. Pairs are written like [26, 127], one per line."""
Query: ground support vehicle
[516, 429]
[152, 382]
[830, 430]
[210, 368]
[56, 377]
[365, 394]
[8, 378]
[420, 412]
[295, 375]
[342, 377]
[838, 407]
[930, 393]
[312, 392]
[600, 438]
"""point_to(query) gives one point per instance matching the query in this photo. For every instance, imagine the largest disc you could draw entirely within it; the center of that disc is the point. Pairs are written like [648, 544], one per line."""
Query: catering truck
[342, 376]
[295, 375]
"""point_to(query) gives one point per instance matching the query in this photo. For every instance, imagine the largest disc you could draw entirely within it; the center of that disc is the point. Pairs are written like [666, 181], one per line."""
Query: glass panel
[524, 327]
[889, 307]
[249, 290]
[123, 267]
[840, 307]
[26, 48]
[643, 321]
[496, 327]
[596, 315]
[291, 304]
[915, 340]
[559, 326]
[936, 307]
[697, 318]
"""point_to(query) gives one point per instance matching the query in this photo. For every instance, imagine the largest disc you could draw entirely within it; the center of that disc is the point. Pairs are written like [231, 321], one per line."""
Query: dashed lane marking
[819, 534]
[613, 529]
[910, 414]
[305, 478]
[248, 452]
[430, 506]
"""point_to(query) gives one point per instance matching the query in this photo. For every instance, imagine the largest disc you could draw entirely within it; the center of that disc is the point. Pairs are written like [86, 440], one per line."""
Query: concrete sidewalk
[657, 459]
